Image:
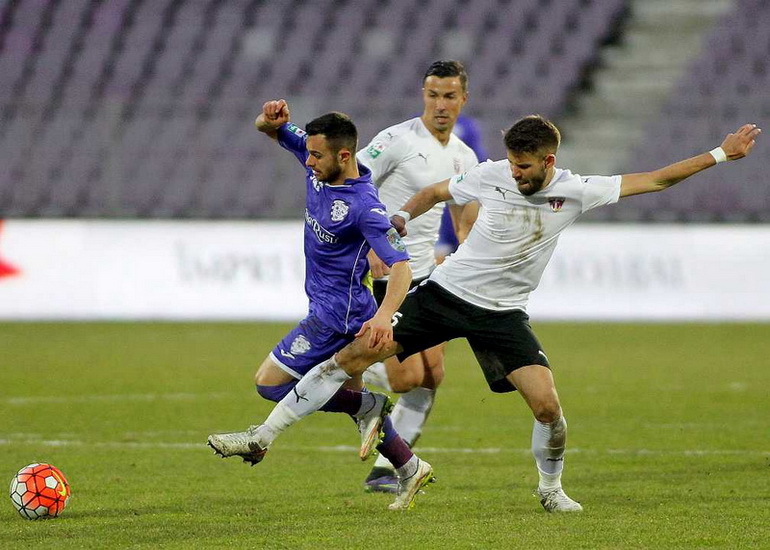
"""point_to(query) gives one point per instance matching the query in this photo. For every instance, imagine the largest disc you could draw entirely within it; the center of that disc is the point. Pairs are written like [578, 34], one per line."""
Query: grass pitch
[668, 444]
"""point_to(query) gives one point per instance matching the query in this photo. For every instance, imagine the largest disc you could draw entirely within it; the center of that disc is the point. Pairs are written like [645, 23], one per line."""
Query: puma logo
[298, 396]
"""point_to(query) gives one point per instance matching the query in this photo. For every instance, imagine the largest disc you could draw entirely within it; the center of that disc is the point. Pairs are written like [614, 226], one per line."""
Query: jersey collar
[365, 176]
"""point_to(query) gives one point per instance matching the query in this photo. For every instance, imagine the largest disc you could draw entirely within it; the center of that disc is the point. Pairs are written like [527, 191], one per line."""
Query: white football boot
[556, 500]
[410, 486]
[248, 445]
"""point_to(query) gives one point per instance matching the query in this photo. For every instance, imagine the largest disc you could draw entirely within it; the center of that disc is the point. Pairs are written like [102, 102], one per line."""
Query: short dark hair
[533, 134]
[338, 128]
[447, 69]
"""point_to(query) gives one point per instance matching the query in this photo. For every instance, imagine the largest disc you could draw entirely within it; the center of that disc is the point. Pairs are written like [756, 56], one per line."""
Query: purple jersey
[342, 223]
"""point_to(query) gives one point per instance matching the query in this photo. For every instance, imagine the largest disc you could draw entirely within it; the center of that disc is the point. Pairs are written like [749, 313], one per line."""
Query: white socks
[408, 417]
[549, 441]
[310, 394]
[377, 375]
[409, 469]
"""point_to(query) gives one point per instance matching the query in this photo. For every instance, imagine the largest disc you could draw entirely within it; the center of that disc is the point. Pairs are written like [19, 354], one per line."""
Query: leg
[549, 434]
[411, 473]
[419, 327]
[322, 381]
[512, 358]
[277, 380]
[412, 409]
[274, 384]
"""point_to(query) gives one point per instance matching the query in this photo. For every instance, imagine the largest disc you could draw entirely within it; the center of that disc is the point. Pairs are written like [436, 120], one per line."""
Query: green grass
[668, 444]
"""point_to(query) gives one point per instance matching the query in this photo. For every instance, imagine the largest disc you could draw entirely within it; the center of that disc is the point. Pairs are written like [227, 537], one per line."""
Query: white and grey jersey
[404, 159]
[506, 252]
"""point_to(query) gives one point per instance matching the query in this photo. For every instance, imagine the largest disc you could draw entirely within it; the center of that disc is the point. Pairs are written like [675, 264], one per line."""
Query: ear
[550, 160]
[344, 155]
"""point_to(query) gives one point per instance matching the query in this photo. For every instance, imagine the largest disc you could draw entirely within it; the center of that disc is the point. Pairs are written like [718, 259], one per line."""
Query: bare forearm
[674, 173]
[398, 285]
[266, 127]
[467, 218]
[665, 177]
[425, 199]
[735, 146]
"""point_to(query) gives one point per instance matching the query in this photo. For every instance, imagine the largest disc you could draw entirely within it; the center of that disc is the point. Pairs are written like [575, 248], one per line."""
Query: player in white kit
[404, 159]
[480, 293]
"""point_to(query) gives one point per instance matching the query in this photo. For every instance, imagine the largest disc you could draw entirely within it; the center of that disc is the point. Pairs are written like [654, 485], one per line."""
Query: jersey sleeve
[293, 138]
[599, 191]
[381, 236]
[466, 187]
[381, 156]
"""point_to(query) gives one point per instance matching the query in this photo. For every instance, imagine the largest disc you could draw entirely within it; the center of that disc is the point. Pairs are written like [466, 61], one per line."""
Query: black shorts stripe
[379, 286]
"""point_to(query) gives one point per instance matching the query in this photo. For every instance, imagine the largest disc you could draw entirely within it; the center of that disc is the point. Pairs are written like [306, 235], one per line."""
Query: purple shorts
[309, 343]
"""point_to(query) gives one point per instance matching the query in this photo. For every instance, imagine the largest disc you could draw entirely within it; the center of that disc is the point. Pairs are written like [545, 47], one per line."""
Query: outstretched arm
[274, 114]
[735, 146]
[420, 203]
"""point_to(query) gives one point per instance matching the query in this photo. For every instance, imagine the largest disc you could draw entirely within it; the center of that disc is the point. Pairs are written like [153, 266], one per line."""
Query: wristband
[719, 154]
[404, 214]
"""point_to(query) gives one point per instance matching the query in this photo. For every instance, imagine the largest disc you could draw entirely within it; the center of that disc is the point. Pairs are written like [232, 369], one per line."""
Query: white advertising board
[152, 270]
[255, 270]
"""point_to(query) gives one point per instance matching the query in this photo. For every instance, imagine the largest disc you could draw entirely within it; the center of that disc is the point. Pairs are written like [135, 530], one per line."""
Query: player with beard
[343, 220]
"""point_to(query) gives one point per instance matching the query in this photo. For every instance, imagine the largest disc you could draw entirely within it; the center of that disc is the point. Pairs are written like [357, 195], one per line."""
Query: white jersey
[404, 159]
[506, 252]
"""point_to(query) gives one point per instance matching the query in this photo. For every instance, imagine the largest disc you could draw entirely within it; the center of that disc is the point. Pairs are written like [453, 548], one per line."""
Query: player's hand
[380, 331]
[275, 113]
[740, 144]
[378, 267]
[400, 224]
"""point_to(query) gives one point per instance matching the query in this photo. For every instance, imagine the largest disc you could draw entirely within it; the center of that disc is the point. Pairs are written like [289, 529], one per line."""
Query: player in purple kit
[344, 219]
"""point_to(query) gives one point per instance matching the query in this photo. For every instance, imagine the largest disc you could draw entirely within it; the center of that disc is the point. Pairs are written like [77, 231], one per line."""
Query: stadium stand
[143, 108]
[725, 87]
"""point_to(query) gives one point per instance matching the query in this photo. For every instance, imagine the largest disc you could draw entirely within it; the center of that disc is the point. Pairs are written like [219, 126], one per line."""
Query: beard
[333, 174]
[530, 186]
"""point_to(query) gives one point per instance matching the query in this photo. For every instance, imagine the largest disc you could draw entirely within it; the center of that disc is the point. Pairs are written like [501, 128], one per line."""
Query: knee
[356, 357]
[405, 381]
[547, 410]
[262, 378]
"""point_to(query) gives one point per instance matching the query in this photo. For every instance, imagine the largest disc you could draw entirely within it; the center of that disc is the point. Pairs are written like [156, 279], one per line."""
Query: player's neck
[549, 177]
[442, 137]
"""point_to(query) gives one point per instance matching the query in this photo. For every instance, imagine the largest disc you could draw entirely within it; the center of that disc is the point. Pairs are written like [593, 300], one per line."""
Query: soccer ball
[39, 491]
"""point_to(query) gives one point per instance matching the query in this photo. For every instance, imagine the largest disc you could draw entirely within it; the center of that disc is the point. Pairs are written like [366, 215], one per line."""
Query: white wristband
[719, 154]
[406, 215]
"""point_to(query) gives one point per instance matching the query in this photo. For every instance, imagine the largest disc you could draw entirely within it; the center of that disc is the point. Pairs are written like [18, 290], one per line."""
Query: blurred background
[126, 109]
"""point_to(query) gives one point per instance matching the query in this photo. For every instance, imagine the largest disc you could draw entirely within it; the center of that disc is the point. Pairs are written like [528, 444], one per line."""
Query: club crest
[300, 345]
[339, 210]
[556, 203]
[394, 239]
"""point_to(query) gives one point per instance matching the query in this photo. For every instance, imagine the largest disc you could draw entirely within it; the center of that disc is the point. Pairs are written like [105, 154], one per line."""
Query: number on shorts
[396, 318]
